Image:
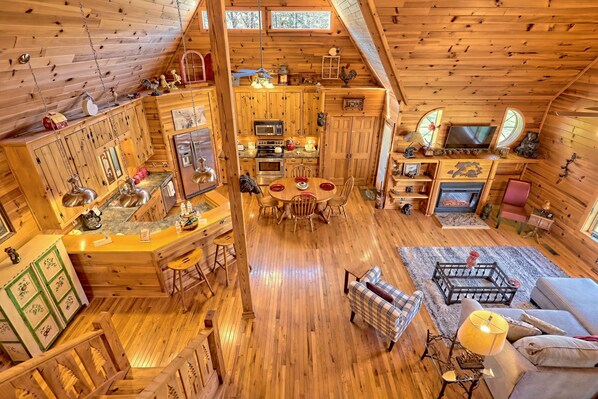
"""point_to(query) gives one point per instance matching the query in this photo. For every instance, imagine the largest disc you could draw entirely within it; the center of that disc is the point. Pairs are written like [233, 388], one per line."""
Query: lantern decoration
[54, 121]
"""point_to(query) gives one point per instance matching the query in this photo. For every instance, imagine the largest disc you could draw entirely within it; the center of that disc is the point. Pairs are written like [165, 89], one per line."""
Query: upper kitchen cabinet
[137, 145]
[311, 107]
[244, 111]
[293, 125]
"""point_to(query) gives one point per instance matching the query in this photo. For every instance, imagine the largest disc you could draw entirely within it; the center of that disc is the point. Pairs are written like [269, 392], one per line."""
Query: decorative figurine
[347, 77]
[176, 79]
[13, 255]
[406, 209]
[529, 146]
[165, 85]
[472, 259]
[114, 95]
[153, 85]
[409, 189]
[486, 211]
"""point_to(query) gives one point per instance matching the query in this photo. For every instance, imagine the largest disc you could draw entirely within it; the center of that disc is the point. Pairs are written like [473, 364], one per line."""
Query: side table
[357, 272]
[539, 222]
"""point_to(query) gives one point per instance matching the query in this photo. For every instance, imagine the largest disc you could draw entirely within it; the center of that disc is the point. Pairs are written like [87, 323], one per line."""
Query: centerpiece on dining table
[301, 183]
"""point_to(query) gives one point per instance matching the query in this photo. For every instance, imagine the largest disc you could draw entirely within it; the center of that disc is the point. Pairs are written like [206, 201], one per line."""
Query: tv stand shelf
[416, 181]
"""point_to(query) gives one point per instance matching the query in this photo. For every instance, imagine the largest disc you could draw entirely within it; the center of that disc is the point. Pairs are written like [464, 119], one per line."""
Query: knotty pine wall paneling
[301, 51]
[571, 196]
[16, 207]
[134, 39]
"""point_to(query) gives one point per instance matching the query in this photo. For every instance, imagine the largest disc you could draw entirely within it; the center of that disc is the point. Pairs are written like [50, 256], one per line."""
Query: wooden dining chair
[267, 202]
[303, 206]
[339, 201]
[301, 171]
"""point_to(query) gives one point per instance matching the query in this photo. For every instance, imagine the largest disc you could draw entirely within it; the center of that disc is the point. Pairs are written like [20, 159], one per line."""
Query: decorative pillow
[558, 351]
[544, 326]
[591, 338]
[519, 329]
[379, 291]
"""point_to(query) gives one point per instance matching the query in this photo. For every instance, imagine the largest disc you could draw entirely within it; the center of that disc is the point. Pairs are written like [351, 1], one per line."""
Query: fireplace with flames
[458, 197]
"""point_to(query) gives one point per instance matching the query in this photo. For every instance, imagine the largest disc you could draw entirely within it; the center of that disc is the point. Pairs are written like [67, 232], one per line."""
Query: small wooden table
[357, 272]
[290, 190]
[539, 222]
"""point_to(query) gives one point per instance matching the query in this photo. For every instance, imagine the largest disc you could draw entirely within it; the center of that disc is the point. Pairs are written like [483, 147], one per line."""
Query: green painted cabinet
[38, 297]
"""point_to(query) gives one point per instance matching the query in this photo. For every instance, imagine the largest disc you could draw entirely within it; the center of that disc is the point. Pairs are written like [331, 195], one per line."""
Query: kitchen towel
[170, 189]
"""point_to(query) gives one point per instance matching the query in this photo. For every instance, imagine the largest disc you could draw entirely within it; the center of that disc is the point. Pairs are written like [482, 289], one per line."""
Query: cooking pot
[290, 145]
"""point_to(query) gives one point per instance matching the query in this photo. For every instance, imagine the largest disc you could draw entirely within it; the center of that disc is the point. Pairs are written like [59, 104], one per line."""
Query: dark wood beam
[228, 128]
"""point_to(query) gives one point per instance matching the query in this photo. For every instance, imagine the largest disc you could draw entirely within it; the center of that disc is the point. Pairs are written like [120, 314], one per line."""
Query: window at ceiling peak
[314, 20]
[512, 127]
[428, 126]
[236, 19]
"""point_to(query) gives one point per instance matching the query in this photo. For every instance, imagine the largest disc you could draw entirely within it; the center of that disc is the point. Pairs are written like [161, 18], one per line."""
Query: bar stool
[184, 263]
[224, 241]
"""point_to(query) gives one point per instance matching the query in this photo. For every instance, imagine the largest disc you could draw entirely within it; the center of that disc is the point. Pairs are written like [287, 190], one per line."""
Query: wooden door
[337, 149]
[276, 105]
[259, 106]
[55, 175]
[311, 107]
[244, 111]
[293, 116]
[87, 165]
[363, 145]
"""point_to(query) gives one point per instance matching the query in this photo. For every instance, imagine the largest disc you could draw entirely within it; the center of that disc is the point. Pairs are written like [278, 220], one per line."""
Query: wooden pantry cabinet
[38, 297]
[39, 160]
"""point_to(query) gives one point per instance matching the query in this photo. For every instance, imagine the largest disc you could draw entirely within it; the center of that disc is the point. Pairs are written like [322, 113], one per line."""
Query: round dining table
[290, 190]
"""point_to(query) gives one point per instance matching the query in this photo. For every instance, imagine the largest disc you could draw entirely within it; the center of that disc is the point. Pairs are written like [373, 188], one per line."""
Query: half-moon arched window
[428, 126]
[512, 126]
[193, 67]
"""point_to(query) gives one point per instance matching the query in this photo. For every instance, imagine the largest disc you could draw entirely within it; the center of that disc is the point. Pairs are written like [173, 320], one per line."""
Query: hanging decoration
[77, 195]
[131, 196]
[203, 173]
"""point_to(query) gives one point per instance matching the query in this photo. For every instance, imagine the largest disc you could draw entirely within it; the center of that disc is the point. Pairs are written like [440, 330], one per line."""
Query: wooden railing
[82, 368]
[198, 371]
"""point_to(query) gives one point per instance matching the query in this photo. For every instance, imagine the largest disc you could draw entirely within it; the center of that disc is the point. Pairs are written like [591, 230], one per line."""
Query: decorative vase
[472, 259]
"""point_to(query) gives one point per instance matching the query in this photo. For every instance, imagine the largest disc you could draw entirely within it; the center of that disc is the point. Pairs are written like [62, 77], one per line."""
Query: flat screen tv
[469, 136]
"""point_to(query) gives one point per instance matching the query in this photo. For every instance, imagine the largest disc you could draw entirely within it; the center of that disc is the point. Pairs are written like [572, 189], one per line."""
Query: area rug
[368, 194]
[526, 264]
[455, 220]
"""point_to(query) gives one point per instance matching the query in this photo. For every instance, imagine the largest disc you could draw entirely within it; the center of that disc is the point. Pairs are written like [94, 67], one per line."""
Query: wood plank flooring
[301, 343]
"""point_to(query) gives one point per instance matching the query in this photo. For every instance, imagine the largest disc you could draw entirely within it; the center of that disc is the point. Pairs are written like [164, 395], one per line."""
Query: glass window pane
[236, 19]
[429, 125]
[511, 128]
[300, 20]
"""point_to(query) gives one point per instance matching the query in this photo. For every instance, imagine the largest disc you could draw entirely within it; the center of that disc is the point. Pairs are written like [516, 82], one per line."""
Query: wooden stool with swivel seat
[224, 240]
[184, 263]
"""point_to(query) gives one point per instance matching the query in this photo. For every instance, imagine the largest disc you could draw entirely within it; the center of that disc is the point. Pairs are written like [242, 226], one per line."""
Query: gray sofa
[572, 306]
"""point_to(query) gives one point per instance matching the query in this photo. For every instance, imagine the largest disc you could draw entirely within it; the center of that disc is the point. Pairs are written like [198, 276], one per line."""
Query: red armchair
[513, 202]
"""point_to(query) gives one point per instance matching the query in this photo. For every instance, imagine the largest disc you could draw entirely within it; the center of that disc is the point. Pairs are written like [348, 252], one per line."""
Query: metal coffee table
[486, 283]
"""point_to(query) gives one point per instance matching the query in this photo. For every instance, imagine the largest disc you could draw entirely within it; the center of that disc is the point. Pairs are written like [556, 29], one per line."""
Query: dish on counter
[327, 186]
[276, 187]
[302, 185]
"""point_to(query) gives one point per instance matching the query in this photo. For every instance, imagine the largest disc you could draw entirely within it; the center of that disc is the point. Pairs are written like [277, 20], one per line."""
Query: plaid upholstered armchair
[391, 319]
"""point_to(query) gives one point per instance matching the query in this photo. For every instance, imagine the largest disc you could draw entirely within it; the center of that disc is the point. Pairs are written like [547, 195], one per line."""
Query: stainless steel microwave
[268, 128]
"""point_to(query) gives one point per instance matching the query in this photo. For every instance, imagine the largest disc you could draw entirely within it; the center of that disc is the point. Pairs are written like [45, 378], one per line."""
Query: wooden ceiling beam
[372, 21]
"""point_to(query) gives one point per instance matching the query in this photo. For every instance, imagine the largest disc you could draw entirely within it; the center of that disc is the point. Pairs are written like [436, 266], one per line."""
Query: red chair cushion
[513, 212]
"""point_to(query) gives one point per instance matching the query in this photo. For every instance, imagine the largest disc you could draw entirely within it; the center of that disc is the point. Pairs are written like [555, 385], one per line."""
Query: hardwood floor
[301, 343]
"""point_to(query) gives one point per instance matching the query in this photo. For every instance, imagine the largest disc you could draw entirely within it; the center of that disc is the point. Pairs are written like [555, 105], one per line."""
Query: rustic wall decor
[183, 118]
[353, 103]
[6, 229]
[466, 169]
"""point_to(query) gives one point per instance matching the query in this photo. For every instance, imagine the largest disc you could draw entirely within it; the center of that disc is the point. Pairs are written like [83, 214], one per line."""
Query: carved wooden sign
[466, 169]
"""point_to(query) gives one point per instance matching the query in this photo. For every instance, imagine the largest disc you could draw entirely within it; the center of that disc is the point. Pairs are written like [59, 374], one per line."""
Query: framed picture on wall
[353, 103]
[411, 169]
[6, 229]
[108, 171]
[184, 118]
[115, 162]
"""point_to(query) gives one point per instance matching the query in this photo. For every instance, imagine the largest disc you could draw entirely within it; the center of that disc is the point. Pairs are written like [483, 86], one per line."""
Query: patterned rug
[526, 264]
[455, 220]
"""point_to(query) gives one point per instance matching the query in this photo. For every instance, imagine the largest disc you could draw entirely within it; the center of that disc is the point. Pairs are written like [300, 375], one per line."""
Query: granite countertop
[299, 152]
[115, 217]
[247, 153]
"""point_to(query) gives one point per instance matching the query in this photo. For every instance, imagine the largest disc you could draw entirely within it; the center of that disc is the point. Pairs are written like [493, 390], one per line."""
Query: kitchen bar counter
[299, 152]
[129, 267]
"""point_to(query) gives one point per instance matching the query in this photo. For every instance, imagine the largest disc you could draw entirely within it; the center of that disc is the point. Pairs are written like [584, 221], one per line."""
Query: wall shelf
[409, 196]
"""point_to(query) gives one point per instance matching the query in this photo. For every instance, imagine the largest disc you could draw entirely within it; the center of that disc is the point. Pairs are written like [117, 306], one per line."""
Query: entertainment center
[467, 182]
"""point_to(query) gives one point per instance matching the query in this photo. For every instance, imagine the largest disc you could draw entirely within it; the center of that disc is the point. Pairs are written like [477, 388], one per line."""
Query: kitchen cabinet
[244, 113]
[247, 165]
[350, 149]
[293, 115]
[291, 163]
[153, 211]
[311, 108]
[38, 297]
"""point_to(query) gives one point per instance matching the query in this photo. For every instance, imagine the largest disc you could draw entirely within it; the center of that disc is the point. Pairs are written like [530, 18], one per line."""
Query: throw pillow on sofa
[519, 329]
[558, 351]
[379, 291]
[544, 326]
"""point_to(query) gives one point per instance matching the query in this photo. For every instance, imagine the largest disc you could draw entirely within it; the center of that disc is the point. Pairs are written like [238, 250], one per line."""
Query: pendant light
[130, 195]
[203, 173]
[77, 194]
[261, 80]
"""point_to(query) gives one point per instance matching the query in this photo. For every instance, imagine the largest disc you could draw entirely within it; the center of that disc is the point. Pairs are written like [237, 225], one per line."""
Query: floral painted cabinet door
[53, 273]
[31, 302]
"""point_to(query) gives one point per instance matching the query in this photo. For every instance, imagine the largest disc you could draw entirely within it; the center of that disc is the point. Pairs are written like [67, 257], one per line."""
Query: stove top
[268, 154]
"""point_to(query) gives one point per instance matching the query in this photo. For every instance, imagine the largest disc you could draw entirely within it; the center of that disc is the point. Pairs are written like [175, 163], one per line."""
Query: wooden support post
[215, 345]
[226, 107]
[104, 322]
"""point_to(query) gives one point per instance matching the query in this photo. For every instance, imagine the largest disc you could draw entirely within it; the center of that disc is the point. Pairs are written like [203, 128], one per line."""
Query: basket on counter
[189, 221]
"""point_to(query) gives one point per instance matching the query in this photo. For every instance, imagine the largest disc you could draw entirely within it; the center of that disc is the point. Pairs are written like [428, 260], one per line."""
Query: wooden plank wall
[572, 196]
[133, 40]
[467, 112]
[301, 51]
[18, 211]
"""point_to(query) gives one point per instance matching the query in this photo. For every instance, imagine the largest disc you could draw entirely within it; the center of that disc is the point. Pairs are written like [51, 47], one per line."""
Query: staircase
[95, 366]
